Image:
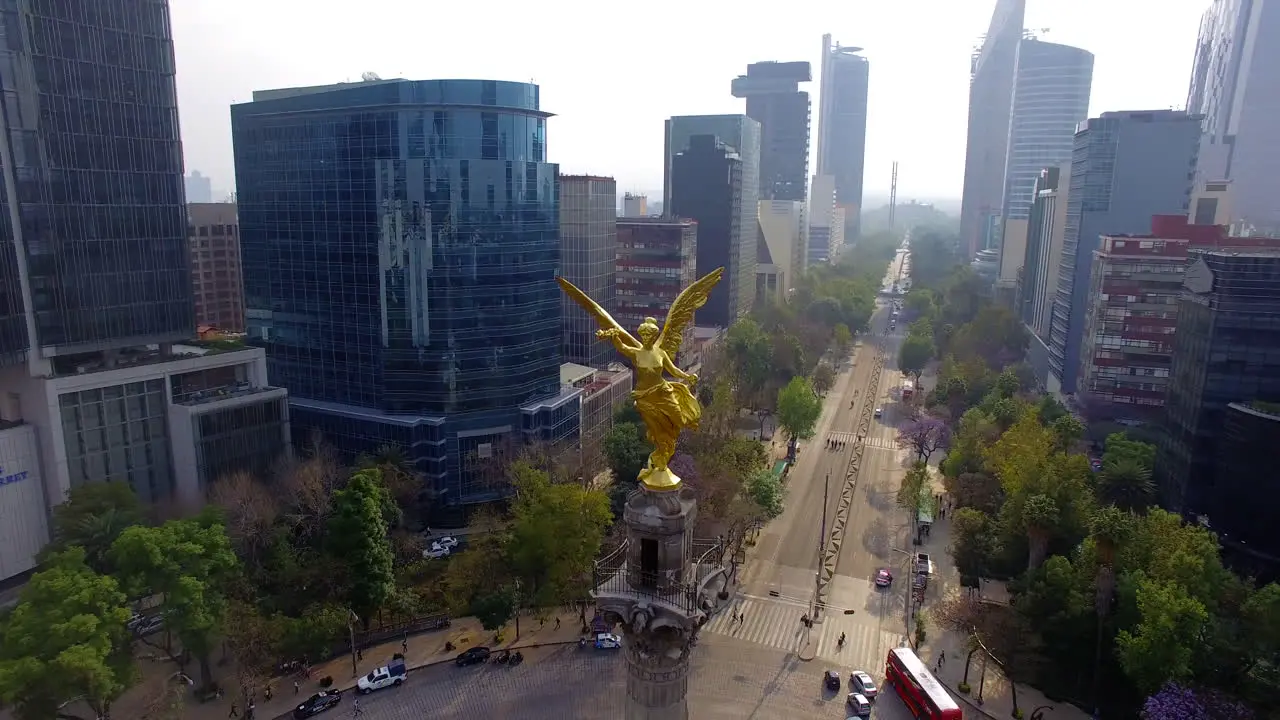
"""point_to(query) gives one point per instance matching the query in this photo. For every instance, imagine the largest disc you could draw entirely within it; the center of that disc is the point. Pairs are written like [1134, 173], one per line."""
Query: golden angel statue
[666, 407]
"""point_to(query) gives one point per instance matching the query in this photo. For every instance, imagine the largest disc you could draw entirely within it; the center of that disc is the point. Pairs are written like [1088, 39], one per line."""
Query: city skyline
[923, 130]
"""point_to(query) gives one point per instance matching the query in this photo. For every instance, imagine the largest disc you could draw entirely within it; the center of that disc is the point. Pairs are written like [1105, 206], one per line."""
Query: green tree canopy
[66, 639]
[93, 517]
[841, 338]
[1161, 647]
[765, 488]
[915, 354]
[189, 563]
[824, 378]
[556, 531]
[626, 451]
[750, 353]
[357, 541]
[798, 408]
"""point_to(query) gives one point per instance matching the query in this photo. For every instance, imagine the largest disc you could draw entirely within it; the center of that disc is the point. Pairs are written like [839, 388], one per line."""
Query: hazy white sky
[613, 72]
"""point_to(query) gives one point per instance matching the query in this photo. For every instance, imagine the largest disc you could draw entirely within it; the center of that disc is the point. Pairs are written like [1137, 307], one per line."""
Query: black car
[318, 703]
[832, 680]
[472, 656]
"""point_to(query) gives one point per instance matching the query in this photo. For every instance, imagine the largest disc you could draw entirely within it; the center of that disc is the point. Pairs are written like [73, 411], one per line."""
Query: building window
[119, 433]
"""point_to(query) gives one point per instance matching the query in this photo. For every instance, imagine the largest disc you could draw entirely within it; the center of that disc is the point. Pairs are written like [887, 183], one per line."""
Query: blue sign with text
[7, 478]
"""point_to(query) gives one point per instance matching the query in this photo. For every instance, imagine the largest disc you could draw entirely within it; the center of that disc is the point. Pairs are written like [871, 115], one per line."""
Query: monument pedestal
[661, 586]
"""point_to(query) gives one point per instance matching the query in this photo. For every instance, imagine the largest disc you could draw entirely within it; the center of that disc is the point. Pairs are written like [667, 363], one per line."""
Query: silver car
[863, 684]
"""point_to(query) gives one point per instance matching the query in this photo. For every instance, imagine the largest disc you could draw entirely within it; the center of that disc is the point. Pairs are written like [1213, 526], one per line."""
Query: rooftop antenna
[893, 194]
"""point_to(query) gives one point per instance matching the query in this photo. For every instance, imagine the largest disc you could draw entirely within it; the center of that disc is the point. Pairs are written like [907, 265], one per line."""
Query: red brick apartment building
[1127, 349]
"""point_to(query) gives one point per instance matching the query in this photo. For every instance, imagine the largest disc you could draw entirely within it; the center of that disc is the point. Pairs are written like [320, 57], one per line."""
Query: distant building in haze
[213, 235]
[826, 222]
[635, 205]
[842, 127]
[991, 80]
[775, 100]
[199, 188]
[588, 259]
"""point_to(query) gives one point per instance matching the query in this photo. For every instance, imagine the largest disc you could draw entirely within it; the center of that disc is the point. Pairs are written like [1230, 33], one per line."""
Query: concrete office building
[588, 259]
[1226, 350]
[775, 100]
[657, 258]
[417, 306]
[733, 243]
[992, 70]
[90, 315]
[1046, 226]
[782, 253]
[199, 188]
[1132, 314]
[213, 237]
[1235, 83]
[826, 222]
[842, 127]
[1125, 168]
[635, 205]
[602, 392]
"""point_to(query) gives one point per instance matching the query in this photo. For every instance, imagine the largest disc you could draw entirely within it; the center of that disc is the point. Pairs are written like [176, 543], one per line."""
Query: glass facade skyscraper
[400, 242]
[1050, 98]
[842, 128]
[92, 175]
[589, 260]
[775, 100]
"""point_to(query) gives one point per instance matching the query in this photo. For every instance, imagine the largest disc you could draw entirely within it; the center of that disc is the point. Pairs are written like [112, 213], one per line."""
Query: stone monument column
[656, 589]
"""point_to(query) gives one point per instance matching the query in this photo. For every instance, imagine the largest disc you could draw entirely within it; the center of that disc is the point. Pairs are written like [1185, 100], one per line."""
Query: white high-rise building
[1235, 86]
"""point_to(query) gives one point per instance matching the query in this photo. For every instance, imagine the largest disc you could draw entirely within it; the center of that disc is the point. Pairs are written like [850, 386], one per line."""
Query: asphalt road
[731, 680]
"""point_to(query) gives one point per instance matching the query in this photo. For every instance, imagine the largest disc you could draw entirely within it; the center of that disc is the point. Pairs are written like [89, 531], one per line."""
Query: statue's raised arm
[609, 328]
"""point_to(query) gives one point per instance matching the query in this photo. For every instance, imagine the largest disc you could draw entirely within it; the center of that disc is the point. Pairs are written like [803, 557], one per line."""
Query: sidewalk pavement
[419, 651]
[996, 693]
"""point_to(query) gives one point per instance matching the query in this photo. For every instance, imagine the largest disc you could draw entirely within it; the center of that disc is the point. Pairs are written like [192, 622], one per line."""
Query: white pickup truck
[389, 675]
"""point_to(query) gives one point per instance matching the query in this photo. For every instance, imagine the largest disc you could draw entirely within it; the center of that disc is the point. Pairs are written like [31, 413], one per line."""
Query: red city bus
[919, 689]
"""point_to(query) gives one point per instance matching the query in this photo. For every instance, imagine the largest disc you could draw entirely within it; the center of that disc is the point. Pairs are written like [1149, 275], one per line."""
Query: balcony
[612, 576]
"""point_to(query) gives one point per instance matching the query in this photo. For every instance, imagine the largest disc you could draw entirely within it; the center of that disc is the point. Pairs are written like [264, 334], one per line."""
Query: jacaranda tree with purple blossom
[925, 435]
[1175, 702]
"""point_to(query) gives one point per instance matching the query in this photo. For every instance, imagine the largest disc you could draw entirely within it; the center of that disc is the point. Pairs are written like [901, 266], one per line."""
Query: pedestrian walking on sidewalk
[404, 644]
[235, 711]
[942, 657]
[356, 710]
[295, 687]
[557, 622]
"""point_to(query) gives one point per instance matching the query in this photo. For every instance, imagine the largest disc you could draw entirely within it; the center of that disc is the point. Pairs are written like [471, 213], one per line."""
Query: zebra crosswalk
[776, 623]
[849, 438]
[772, 623]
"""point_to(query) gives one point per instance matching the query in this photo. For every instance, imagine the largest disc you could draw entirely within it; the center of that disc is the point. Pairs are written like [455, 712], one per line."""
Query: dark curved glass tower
[93, 235]
[400, 243]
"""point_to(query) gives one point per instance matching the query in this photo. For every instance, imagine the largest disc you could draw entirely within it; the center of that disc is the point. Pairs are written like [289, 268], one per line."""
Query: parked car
[863, 684]
[446, 541]
[924, 565]
[608, 641]
[473, 656]
[142, 625]
[435, 552]
[318, 703]
[859, 704]
[392, 674]
[884, 577]
[832, 680]
[879, 411]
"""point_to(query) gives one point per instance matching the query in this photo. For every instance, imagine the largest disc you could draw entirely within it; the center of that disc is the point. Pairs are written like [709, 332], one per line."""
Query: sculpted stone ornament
[666, 407]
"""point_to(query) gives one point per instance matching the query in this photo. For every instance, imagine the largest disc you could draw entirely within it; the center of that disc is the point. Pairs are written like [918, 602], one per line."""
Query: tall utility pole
[822, 543]
[893, 194]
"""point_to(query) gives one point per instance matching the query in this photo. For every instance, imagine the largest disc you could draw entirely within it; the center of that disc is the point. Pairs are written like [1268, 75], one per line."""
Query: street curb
[808, 645]
[413, 668]
[954, 690]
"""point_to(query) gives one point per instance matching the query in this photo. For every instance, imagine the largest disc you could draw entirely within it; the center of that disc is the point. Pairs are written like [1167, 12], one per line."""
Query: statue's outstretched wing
[602, 316]
[681, 313]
